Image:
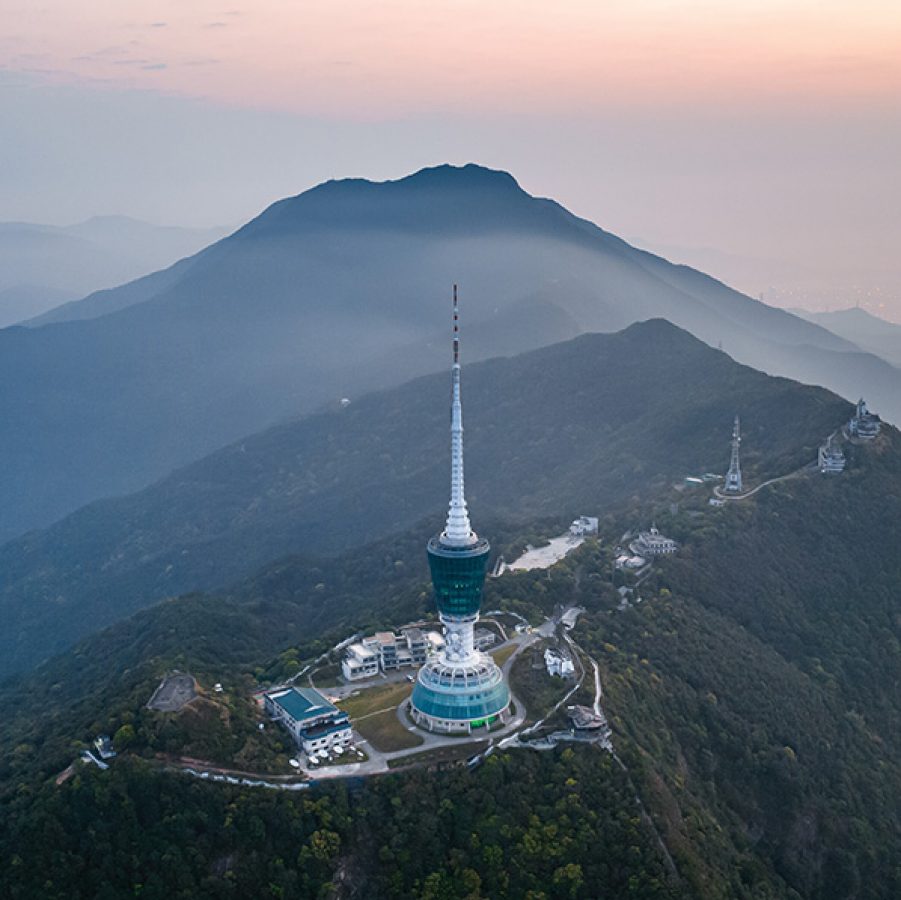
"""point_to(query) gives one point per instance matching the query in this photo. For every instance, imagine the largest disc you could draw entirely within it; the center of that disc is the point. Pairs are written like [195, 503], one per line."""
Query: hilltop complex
[864, 425]
[459, 688]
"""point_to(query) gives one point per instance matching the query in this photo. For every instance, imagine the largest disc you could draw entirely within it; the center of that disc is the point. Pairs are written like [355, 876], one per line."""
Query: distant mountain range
[42, 266]
[867, 331]
[332, 293]
[579, 426]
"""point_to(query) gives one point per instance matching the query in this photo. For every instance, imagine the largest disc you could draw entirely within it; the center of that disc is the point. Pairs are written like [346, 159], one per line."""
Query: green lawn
[502, 655]
[537, 690]
[373, 699]
[385, 732]
[326, 675]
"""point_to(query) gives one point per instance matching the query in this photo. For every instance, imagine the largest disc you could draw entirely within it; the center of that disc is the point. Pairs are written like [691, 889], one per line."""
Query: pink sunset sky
[762, 132]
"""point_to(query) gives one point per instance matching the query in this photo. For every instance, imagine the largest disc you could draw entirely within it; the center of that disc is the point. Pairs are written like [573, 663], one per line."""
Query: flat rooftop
[302, 703]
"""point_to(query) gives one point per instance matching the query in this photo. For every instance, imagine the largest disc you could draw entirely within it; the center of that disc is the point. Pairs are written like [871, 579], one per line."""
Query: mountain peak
[468, 175]
[442, 176]
[437, 198]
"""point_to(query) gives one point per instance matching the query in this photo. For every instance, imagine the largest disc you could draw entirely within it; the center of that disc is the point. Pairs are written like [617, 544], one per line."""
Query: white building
[398, 651]
[653, 543]
[583, 526]
[314, 722]
[104, 746]
[359, 662]
[385, 651]
[435, 642]
[483, 637]
[326, 737]
[864, 424]
[559, 663]
[830, 458]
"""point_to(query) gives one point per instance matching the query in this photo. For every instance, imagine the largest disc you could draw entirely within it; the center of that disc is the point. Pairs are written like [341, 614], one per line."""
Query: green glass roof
[302, 703]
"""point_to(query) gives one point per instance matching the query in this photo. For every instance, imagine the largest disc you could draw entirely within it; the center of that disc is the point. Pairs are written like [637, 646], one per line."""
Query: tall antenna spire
[458, 531]
[456, 330]
[733, 476]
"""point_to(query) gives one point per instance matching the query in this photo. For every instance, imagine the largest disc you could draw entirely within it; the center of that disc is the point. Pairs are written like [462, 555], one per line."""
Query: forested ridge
[612, 417]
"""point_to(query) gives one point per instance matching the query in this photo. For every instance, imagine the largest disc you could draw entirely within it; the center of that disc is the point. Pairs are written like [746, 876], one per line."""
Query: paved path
[723, 495]
[597, 687]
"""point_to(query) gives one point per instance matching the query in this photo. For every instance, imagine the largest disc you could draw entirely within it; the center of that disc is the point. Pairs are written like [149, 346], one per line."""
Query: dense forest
[542, 826]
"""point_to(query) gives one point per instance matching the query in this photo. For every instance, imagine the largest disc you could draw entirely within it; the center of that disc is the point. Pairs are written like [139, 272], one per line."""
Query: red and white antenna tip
[456, 330]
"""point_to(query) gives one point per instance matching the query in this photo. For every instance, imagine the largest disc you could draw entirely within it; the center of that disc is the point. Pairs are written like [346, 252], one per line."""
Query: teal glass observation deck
[458, 575]
[455, 697]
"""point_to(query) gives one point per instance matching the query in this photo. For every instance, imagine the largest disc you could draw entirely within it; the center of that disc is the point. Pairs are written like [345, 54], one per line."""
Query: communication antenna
[456, 330]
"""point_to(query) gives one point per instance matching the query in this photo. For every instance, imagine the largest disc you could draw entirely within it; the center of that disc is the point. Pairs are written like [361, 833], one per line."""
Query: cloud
[216, 25]
[154, 67]
[158, 24]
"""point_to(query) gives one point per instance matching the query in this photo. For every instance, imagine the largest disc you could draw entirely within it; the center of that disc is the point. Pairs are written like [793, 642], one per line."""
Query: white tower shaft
[458, 531]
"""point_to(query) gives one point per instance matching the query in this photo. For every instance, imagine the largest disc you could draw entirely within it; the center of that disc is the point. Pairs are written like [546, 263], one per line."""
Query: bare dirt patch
[173, 693]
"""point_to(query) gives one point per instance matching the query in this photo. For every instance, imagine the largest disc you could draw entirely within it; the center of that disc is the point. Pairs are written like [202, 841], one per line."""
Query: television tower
[733, 476]
[460, 688]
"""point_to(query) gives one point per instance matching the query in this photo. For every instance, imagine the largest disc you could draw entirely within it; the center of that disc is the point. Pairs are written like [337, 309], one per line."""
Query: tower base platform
[455, 697]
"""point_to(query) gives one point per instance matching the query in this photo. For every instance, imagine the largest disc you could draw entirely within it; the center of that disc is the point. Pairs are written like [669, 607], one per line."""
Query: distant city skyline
[768, 132]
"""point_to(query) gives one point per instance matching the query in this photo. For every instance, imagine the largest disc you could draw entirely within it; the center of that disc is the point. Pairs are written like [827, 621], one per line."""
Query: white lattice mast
[733, 476]
[458, 531]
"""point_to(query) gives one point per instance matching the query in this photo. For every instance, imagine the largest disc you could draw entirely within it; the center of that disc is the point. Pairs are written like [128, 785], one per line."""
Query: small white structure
[359, 662]
[436, 642]
[624, 561]
[716, 501]
[483, 637]
[831, 458]
[583, 526]
[559, 663]
[653, 543]
[864, 424]
[104, 746]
